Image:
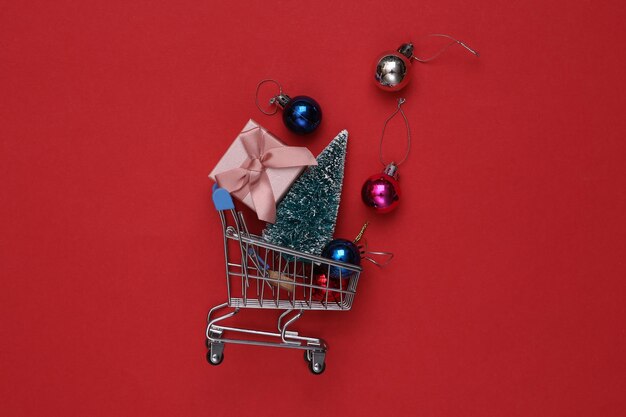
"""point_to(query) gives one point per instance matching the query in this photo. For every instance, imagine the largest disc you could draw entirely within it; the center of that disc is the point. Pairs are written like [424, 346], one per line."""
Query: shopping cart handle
[222, 199]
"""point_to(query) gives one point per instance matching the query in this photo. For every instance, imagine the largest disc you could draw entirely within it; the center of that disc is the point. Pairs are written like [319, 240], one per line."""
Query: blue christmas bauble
[342, 250]
[302, 115]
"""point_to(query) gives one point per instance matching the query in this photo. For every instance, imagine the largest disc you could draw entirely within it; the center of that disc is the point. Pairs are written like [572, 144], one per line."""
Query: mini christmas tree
[306, 217]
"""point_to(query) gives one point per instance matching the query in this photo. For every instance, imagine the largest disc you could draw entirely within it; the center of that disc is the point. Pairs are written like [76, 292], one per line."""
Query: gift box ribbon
[251, 178]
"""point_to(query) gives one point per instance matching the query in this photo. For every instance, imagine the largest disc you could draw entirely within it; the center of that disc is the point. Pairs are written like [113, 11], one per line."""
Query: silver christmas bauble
[393, 68]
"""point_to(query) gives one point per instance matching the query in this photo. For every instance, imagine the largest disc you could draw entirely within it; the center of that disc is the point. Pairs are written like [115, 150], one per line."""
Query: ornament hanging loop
[272, 100]
[401, 101]
[445, 48]
[384, 257]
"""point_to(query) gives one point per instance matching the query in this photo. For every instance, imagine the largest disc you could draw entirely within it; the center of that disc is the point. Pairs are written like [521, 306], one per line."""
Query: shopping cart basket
[262, 275]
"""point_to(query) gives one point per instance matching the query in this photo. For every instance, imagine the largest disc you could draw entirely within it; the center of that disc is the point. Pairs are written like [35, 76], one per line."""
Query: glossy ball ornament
[321, 280]
[342, 250]
[393, 68]
[382, 191]
[301, 114]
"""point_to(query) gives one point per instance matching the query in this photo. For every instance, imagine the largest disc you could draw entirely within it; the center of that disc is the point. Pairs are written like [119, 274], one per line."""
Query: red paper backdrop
[507, 294]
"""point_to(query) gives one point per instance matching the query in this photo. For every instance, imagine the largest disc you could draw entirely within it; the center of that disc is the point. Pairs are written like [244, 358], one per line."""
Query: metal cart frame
[262, 275]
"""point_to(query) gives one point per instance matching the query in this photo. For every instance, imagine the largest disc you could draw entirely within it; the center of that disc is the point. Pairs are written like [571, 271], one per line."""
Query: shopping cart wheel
[317, 368]
[214, 358]
[315, 359]
[215, 355]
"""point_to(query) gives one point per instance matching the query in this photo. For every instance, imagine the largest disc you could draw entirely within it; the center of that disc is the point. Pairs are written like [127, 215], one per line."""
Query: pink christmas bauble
[381, 192]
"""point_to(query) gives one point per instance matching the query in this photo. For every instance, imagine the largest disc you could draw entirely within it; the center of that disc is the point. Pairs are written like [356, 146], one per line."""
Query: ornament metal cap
[392, 170]
[280, 100]
[406, 49]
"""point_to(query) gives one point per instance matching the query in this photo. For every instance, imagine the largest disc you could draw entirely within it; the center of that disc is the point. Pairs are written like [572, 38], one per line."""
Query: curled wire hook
[272, 100]
[442, 50]
[364, 252]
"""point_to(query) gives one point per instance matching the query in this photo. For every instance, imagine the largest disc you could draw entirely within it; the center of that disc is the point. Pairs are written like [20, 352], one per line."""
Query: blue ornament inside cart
[301, 114]
[342, 250]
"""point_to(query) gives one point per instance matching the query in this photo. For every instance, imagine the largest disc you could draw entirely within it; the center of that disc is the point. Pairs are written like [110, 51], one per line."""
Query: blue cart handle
[222, 199]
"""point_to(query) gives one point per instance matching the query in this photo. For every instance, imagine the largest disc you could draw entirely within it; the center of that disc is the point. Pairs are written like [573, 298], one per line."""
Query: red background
[507, 294]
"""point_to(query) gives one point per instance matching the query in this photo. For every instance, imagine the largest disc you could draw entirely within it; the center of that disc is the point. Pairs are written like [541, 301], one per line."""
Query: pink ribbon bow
[251, 178]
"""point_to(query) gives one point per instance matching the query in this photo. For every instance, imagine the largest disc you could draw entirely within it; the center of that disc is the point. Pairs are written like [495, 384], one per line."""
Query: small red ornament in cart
[393, 67]
[382, 191]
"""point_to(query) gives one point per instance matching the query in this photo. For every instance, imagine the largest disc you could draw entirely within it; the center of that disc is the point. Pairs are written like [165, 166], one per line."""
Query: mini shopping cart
[262, 275]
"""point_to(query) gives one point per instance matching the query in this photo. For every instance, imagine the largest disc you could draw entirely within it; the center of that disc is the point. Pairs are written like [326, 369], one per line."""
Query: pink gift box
[280, 178]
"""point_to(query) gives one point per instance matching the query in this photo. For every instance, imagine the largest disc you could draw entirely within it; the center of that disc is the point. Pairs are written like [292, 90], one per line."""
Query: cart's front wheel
[317, 368]
[315, 360]
[214, 358]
